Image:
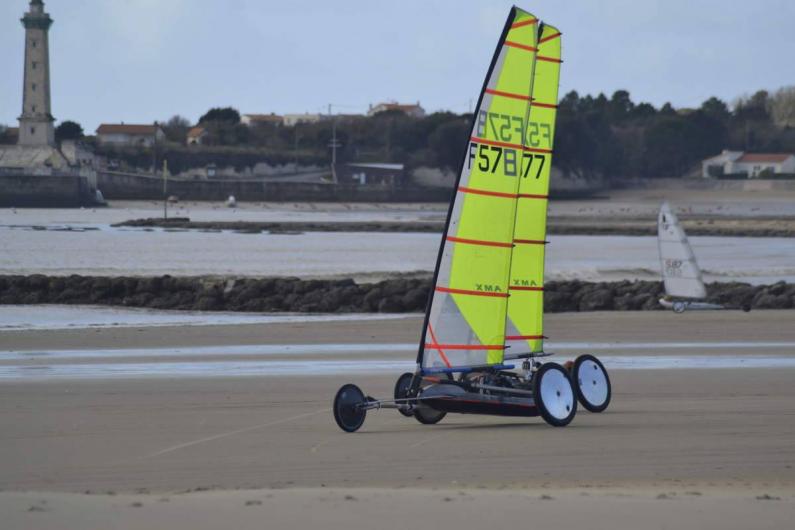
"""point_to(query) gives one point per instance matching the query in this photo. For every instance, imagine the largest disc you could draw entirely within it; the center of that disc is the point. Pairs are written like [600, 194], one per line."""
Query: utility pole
[296, 137]
[334, 144]
[165, 189]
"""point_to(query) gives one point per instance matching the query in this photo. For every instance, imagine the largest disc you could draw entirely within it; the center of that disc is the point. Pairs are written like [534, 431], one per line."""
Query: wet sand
[708, 448]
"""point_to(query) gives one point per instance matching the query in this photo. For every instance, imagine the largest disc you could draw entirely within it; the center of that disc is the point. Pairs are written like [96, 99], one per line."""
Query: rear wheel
[428, 416]
[349, 411]
[402, 387]
[591, 383]
[554, 395]
[679, 307]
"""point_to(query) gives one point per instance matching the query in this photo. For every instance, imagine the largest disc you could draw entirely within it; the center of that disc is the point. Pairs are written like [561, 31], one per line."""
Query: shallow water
[345, 359]
[359, 349]
[342, 367]
[102, 250]
[21, 317]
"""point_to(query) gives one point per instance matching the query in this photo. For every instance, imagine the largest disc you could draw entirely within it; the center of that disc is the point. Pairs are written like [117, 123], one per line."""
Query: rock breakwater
[346, 296]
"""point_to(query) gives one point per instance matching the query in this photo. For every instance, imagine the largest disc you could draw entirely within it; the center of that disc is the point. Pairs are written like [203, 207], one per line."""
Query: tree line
[597, 136]
[611, 138]
[616, 138]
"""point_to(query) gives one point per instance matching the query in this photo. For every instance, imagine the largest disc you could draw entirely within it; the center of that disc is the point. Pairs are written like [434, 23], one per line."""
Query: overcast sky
[146, 60]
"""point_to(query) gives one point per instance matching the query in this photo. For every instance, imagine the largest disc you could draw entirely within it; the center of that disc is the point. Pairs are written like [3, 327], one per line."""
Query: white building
[256, 119]
[293, 119]
[410, 109]
[196, 135]
[753, 165]
[129, 134]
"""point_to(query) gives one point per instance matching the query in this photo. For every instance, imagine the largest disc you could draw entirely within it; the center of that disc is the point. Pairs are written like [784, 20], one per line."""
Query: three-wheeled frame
[546, 389]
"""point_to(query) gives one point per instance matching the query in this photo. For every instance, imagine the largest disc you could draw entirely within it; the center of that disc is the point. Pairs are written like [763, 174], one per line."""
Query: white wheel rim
[556, 394]
[592, 382]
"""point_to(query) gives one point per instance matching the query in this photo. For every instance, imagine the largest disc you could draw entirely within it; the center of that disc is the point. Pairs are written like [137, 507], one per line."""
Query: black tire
[591, 383]
[679, 306]
[402, 387]
[428, 416]
[348, 412]
[554, 395]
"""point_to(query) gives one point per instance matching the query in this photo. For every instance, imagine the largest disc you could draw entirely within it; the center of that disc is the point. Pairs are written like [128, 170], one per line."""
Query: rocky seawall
[557, 226]
[346, 296]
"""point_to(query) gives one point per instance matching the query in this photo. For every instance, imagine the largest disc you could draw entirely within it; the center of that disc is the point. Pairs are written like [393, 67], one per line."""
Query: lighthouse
[36, 121]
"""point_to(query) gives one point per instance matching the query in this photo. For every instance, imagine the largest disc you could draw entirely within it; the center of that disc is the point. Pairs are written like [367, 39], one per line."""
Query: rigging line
[436, 343]
[233, 433]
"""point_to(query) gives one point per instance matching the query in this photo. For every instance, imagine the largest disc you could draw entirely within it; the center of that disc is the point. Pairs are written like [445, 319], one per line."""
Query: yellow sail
[524, 326]
[465, 321]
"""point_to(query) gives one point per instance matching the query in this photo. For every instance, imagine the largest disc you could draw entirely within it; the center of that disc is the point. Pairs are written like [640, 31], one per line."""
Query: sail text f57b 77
[507, 161]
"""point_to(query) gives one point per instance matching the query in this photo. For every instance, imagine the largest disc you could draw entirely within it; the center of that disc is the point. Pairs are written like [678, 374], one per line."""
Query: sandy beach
[713, 448]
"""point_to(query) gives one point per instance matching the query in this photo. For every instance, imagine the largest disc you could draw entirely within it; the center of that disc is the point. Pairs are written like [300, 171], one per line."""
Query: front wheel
[554, 395]
[349, 411]
[402, 387]
[679, 307]
[591, 383]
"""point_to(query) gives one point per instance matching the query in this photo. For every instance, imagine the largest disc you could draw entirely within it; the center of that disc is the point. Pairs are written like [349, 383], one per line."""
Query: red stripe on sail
[520, 46]
[531, 196]
[465, 346]
[548, 59]
[479, 242]
[524, 23]
[550, 37]
[520, 97]
[508, 94]
[487, 192]
[506, 144]
[530, 241]
[441, 353]
[473, 293]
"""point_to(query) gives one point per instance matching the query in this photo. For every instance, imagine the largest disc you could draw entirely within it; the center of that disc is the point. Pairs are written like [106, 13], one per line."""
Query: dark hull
[449, 398]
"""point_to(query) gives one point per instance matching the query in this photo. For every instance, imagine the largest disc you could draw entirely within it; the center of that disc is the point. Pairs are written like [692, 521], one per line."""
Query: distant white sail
[680, 272]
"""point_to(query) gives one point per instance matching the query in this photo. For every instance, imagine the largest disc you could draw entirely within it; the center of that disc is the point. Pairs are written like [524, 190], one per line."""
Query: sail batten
[473, 282]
